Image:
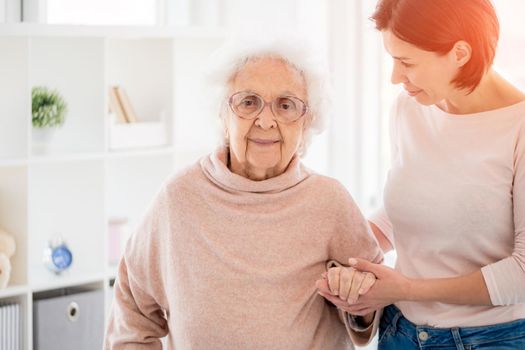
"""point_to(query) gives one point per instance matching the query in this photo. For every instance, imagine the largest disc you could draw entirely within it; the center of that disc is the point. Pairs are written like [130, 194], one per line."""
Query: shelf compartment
[15, 109]
[13, 218]
[75, 317]
[13, 311]
[74, 67]
[67, 200]
[142, 68]
[132, 183]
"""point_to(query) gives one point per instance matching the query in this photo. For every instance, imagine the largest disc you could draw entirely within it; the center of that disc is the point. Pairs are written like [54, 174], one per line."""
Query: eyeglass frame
[268, 103]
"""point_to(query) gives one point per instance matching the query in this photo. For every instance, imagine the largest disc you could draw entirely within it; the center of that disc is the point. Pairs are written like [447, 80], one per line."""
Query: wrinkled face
[425, 75]
[263, 147]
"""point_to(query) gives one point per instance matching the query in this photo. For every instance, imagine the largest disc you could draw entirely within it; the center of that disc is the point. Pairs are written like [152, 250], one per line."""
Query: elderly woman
[228, 254]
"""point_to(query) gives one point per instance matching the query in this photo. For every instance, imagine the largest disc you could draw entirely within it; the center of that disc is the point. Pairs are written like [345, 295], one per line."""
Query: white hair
[228, 60]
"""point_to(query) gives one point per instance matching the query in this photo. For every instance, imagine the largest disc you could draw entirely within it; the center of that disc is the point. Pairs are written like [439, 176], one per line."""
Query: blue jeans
[398, 333]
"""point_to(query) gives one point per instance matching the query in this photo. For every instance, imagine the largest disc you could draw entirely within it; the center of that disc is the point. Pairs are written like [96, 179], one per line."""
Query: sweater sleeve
[505, 279]
[137, 320]
[353, 238]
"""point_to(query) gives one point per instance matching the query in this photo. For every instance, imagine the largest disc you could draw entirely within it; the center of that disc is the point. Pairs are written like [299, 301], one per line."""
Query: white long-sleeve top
[454, 203]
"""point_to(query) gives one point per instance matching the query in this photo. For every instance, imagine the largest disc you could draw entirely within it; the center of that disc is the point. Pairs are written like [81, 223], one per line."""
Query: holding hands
[364, 287]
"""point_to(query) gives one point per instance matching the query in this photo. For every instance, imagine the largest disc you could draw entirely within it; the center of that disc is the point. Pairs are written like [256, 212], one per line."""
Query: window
[511, 52]
[102, 12]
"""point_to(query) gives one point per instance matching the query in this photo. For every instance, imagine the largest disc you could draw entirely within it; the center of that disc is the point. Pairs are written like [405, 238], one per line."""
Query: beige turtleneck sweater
[224, 262]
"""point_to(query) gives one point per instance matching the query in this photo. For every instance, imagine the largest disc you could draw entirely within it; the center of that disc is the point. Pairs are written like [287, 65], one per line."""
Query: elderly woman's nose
[266, 119]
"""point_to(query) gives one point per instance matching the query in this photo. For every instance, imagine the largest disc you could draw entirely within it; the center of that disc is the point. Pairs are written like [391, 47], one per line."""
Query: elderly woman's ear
[223, 116]
[306, 128]
[225, 130]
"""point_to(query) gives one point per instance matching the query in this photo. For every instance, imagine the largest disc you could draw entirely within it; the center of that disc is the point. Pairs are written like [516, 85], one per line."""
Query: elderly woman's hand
[343, 285]
[348, 283]
[390, 287]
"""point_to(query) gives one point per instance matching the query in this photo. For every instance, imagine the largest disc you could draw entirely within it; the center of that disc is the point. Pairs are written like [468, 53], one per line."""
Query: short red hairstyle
[436, 25]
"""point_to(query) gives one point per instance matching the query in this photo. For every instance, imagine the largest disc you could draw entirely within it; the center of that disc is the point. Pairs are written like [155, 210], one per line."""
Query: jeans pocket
[385, 330]
[383, 337]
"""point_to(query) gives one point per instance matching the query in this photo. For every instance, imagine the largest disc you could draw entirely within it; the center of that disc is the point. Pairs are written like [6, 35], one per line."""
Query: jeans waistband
[434, 336]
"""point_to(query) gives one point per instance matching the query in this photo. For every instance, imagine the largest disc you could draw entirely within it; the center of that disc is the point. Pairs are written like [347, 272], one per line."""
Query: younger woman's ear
[462, 53]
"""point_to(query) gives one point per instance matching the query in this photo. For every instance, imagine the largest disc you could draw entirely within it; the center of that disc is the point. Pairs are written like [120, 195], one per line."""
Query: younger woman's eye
[407, 65]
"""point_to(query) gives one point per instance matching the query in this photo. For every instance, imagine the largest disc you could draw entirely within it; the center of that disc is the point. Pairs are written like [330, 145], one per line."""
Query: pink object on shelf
[117, 233]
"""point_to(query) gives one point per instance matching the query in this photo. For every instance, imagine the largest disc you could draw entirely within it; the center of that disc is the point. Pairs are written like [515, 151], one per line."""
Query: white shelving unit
[78, 184]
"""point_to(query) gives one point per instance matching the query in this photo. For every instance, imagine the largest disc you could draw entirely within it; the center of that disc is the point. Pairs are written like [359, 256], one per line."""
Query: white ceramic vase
[41, 139]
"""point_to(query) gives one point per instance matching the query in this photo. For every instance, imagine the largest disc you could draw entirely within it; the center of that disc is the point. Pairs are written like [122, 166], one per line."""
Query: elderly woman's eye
[287, 104]
[249, 102]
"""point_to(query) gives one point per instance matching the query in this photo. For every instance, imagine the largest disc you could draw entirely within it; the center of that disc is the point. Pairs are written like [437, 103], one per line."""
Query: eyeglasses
[248, 105]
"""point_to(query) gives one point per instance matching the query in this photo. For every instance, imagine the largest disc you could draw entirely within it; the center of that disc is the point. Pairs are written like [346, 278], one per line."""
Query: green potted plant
[49, 111]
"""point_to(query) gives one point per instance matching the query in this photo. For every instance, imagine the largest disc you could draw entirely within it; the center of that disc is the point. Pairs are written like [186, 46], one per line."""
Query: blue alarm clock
[58, 256]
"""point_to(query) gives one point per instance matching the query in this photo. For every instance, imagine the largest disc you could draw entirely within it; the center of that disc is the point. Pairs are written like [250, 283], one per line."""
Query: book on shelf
[125, 102]
[120, 105]
[115, 106]
[10, 326]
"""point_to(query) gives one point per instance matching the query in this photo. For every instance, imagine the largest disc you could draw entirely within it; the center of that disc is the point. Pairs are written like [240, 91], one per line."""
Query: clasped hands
[362, 288]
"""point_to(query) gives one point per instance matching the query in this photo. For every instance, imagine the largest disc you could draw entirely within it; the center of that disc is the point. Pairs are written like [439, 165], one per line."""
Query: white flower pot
[41, 138]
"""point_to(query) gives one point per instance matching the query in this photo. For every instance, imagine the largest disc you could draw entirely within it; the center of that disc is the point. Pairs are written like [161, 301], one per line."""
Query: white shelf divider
[13, 291]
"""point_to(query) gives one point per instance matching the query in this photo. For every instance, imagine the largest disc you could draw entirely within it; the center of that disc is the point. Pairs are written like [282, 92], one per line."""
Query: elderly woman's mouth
[264, 142]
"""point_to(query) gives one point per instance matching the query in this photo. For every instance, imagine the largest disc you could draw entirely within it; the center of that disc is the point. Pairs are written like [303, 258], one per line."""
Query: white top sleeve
[505, 279]
[381, 220]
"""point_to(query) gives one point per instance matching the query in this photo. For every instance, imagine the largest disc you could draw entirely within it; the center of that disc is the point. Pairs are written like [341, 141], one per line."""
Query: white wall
[349, 148]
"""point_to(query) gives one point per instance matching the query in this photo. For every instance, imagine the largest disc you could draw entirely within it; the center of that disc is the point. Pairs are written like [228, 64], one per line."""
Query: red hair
[436, 25]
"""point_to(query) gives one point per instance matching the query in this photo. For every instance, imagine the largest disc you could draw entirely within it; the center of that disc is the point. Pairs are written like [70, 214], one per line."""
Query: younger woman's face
[425, 75]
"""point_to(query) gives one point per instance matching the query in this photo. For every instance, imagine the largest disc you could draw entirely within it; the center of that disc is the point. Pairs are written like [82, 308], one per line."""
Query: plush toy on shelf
[7, 250]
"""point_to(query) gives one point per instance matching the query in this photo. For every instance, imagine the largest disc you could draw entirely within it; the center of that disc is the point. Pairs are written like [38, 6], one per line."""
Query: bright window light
[511, 52]
[102, 12]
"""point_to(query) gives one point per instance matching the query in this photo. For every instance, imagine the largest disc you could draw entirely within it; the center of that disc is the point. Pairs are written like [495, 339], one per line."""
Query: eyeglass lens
[250, 105]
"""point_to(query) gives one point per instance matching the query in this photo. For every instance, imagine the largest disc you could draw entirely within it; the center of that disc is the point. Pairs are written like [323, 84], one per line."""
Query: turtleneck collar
[215, 168]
